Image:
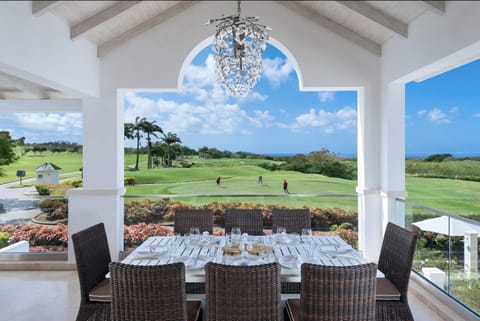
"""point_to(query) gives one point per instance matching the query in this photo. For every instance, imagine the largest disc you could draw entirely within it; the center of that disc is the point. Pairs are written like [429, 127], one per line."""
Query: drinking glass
[306, 233]
[194, 235]
[281, 230]
[236, 235]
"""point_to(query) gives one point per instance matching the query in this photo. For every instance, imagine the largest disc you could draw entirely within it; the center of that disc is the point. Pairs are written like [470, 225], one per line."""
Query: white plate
[238, 260]
[285, 239]
[290, 261]
[191, 264]
[144, 255]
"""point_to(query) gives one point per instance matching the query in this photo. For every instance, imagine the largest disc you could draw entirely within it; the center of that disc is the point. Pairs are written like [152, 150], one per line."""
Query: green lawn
[243, 180]
[451, 195]
[68, 162]
[239, 176]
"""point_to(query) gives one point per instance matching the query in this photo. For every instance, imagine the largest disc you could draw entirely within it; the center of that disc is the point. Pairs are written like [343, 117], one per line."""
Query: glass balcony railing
[447, 251]
[33, 228]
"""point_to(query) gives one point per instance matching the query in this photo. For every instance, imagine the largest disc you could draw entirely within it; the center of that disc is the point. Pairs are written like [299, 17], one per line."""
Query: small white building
[47, 174]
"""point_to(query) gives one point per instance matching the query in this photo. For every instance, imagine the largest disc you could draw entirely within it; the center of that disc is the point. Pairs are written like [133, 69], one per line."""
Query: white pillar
[370, 232]
[392, 152]
[470, 241]
[100, 198]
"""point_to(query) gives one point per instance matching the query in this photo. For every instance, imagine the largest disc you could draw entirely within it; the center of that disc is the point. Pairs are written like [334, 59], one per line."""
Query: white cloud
[68, 124]
[437, 116]
[183, 118]
[326, 96]
[343, 119]
[421, 113]
[276, 70]
[202, 82]
[262, 119]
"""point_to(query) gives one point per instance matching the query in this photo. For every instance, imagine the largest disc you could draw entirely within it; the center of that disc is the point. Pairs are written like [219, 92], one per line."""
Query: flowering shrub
[350, 236]
[162, 211]
[134, 235]
[37, 234]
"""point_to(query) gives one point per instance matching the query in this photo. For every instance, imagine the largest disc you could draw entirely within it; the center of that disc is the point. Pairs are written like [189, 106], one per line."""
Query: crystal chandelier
[239, 45]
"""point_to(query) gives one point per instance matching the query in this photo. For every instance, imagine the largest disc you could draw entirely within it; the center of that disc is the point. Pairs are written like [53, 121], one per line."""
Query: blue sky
[441, 113]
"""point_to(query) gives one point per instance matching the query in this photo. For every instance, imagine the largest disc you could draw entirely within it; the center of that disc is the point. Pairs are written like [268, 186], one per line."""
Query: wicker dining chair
[151, 292]
[242, 293]
[294, 220]
[92, 257]
[249, 220]
[395, 261]
[328, 293]
[185, 218]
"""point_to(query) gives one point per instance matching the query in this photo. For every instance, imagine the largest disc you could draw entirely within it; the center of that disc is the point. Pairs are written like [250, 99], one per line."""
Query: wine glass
[306, 233]
[236, 235]
[194, 235]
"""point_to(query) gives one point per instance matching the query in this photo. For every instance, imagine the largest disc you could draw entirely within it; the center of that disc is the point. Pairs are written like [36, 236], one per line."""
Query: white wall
[431, 40]
[154, 59]
[39, 49]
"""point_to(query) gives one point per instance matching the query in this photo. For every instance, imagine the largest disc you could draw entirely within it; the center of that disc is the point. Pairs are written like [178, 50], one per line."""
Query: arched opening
[243, 139]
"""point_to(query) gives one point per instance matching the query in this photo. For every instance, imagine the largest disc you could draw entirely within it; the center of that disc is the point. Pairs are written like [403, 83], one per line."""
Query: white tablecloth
[290, 251]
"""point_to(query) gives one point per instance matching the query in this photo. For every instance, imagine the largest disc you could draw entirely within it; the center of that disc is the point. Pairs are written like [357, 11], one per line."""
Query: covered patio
[83, 57]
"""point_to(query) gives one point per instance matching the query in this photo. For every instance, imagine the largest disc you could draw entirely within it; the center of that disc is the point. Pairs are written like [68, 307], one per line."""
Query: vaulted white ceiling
[108, 24]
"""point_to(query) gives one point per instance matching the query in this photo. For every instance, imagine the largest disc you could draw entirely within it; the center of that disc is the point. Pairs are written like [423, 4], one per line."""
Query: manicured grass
[67, 161]
[451, 195]
[243, 180]
[239, 176]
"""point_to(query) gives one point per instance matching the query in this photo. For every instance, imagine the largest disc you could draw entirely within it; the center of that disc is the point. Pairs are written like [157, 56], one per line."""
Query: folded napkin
[244, 260]
[298, 262]
[141, 255]
[192, 261]
[336, 248]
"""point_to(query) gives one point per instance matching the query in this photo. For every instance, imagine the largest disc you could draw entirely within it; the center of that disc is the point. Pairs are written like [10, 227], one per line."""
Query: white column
[392, 146]
[370, 232]
[470, 241]
[100, 198]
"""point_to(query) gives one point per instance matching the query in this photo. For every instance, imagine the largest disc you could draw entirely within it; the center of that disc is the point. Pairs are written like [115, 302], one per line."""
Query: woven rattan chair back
[141, 293]
[242, 293]
[396, 257]
[92, 255]
[294, 220]
[249, 220]
[344, 293]
[185, 218]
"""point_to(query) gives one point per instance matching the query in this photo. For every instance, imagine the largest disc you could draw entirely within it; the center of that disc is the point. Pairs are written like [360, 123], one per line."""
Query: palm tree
[132, 131]
[169, 139]
[150, 128]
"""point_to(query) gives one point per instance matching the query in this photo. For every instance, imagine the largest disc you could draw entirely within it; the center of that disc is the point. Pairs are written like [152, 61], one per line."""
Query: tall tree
[7, 154]
[169, 139]
[133, 131]
[150, 128]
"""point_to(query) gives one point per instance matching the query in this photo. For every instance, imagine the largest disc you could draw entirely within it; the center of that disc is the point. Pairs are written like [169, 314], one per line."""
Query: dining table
[289, 250]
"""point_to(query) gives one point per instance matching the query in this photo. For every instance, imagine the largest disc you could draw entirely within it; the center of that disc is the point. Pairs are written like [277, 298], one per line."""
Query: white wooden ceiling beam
[171, 12]
[40, 7]
[436, 6]
[23, 85]
[40, 105]
[333, 26]
[83, 26]
[381, 18]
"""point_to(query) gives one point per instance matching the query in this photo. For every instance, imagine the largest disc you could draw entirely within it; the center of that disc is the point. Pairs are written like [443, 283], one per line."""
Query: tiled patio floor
[55, 296]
